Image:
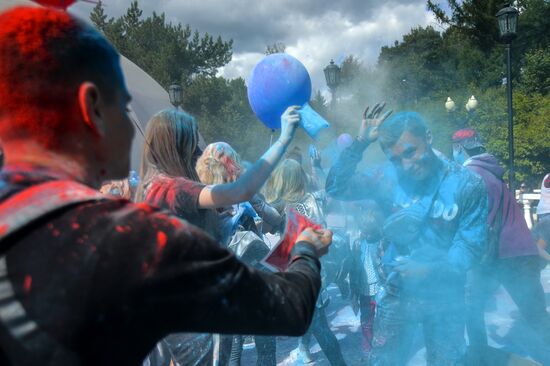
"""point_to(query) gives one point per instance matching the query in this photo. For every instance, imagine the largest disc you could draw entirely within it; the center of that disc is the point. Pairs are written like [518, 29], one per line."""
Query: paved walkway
[505, 328]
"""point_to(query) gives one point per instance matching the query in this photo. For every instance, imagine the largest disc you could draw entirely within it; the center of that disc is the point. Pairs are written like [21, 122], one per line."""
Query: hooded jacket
[515, 237]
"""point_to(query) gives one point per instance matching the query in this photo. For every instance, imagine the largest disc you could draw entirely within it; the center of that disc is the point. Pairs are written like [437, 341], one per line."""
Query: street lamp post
[507, 24]
[450, 105]
[332, 76]
[470, 106]
[175, 92]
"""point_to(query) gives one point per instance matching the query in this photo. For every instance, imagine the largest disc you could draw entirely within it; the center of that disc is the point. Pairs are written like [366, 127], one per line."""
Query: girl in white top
[543, 209]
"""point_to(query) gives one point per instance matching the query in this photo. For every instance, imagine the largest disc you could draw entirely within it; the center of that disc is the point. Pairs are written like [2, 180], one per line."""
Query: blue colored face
[412, 157]
[459, 155]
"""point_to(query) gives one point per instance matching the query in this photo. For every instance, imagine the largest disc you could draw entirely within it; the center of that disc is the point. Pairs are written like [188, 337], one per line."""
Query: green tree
[319, 103]
[223, 113]
[166, 51]
[474, 19]
[535, 77]
[277, 47]
[350, 70]
[416, 66]
[531, 131]
[98, 16]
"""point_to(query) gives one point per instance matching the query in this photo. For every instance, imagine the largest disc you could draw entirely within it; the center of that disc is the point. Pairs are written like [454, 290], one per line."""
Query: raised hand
[372, 121]
[289, 123]
[315, 156]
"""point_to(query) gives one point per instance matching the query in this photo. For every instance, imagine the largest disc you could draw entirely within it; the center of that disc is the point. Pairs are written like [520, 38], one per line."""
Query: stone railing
[529, 201]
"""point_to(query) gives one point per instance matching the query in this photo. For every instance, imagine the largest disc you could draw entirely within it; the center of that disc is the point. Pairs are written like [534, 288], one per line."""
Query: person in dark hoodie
[88, 279]
[511, 257]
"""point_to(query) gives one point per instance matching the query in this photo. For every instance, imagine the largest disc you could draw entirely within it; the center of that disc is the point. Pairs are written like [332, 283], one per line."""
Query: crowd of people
[166, 266]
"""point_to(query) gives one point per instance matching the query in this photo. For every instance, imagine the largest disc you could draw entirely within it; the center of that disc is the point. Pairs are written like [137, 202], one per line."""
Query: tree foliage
[417, 72]
[168, 52]
[277, 47]
[223, 114]
[420, 71]
[535, 77]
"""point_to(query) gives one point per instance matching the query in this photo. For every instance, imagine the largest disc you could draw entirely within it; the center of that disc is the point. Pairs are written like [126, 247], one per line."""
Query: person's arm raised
[244, 188]
[343, 182]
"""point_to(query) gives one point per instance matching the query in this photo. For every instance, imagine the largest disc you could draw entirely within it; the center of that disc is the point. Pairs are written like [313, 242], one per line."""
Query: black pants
[367, 310]
[520, 276]
[327, 340]
[266, 347]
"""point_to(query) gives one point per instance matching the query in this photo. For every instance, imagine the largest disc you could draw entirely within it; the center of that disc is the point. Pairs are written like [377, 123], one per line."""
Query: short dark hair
[391, 130]
[45, 55]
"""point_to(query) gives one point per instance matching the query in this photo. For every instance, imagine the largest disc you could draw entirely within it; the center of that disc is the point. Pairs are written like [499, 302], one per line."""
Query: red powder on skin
[33, 27]
[27, 36]
[75, 225]
[27, 284]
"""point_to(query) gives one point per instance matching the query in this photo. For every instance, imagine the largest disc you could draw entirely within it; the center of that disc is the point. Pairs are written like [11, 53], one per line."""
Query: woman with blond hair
[169, 180]
[219, 164]
[286, 189]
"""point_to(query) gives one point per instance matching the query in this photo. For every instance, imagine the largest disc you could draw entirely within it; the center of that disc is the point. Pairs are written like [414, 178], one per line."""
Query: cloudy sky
[314, 31]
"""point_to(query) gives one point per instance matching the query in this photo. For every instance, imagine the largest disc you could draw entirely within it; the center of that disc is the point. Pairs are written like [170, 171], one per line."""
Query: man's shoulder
[463, 180]
[461, 174]
[126, 222]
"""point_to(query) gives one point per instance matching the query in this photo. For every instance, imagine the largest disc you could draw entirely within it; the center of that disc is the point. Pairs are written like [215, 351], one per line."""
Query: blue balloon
[277, 82]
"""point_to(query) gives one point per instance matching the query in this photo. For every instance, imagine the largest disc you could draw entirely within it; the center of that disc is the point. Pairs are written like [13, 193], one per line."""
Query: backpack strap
[16, 213]
[29, 205]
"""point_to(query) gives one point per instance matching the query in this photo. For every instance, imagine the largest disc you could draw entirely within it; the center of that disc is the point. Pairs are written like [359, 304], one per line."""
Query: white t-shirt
[544, 203]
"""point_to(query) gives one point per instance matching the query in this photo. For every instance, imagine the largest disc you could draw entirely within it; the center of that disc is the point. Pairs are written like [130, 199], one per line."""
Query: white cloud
[333, 36]
[314, 31]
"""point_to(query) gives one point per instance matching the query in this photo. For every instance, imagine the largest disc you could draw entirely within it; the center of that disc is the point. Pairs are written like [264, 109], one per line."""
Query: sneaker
[304, 355]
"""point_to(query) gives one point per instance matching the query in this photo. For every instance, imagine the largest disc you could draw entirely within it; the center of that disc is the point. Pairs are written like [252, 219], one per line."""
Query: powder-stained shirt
[453, 228]
[181, 196]
[108, 279]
